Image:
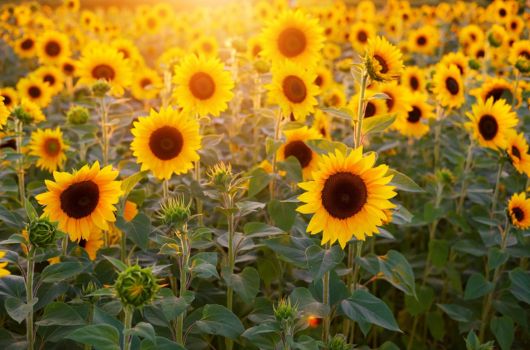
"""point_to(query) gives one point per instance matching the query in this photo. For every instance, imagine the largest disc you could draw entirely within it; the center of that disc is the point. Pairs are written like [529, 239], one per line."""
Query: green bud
[474, 64]
[262, 66]
[136, 287]
[523, 65]
[42, 233]
[338, 342]
[100, 88]
[77, 115]
[284, 311]
[174, 212]
[20, 114]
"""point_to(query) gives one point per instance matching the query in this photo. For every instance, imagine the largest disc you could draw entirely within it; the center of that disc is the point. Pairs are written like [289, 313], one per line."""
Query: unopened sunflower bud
[220, 175]
[284, 311]
[42, 233]
[523, 65]
[77, 115]
[136, 287]
[174, 212]
[338, 342]
[262, 66]
[474, 64]
[100, 88]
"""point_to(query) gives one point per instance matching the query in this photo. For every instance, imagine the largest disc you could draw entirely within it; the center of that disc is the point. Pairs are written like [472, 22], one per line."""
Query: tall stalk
[19, 131]
[30, 333]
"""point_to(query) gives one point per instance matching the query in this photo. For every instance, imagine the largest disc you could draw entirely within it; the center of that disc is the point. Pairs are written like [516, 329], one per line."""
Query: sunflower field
[264, 174]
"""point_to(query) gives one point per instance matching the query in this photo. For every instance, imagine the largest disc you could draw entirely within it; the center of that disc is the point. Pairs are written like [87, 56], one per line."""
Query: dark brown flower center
[518, 213]
[52, 48]
[382, 63]
[344, 195]
[103, 71]
[80, 199]
[370, 110]
[362, 36]
[202, 85]
[515, 152]
[300, 151]
[34, 91]
[27, 44]
[52, 146]
[414, 83]
[294, 89]
[166, 142]
[414, 115]
[452, 85]
[488, 127]
[421, 40]
[292, 42]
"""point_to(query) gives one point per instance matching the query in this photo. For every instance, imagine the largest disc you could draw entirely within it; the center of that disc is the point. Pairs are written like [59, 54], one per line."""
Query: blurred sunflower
[491, 121]
[202, 85]
[103, 62]
[35, 90]
[146, 84]
[347, 197]
[82, 201]
[48, 145]
[296, 145]
[383, 60]
[10, 97]
[166, 142]
[52, 47]
[293, 89]
[92, 243]
[519, 211]
[448, 86]
[517, 149]
[414, 122]
[295, 36]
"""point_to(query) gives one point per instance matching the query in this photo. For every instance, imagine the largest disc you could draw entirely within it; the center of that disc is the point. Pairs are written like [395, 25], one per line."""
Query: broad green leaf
[245, 284]
[218, 320]
[520, 287]
[62, 271]
[60, 314]
[504, 330]
[365, 307]
[100, 336]
[403, 182]
[477, 286]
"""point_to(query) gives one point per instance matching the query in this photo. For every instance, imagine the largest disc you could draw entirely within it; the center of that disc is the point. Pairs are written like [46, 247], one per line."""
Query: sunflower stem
[467, 168]
[325, 300]
[30, 334]
[127, 323]
[19, 131]
[360, 111]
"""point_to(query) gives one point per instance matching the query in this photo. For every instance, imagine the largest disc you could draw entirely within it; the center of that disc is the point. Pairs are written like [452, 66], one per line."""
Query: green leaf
[259, 179]
[245, 284]
[403, 182]
[378, 123]
[477, 286]
[439, 252]
[365, 307]
[398, 272]
[118, 264]
[128, 184]
[282, 213]
[321, 260]
[62, 271]
[520, 285]
[218, 320]
[137, 230]
[100, 336]
[504, 330]
[18, 309]
[144, 330]
[457, 312]
[60, 314]
[260, 229]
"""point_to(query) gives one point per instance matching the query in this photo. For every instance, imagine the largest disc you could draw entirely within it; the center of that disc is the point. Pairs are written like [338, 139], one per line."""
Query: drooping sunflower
[359, 35]
[296, 145]
[26, 46]
[35, 90]
[52, 47]
[146, 84]
[92, 243]
[48, 145]
[294, 36]
[448, 86]
[517, 149]
[82, 201]
[491, 122]
[166, 142]
[383, 60]
[10, 97]
[424, 40]
[105, 63]
[293, 89]
[51, 76]
[347, 197]
[519, 211]
[202, 85]
[414, 123]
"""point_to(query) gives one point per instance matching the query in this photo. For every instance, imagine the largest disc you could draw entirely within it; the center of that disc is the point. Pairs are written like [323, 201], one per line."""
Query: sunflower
[296, 145]
[491, 121]
[321, 123]
[146, 84]
[520, 49]
[92, 243]
[347, 196]
[414, 122]
[202, 85]
[3, 271]
[519, 211]
[32, 110]
[359, 35]
[424, 40]
[448, 86]
[26, 46]
[166, 142]
[52, 76]
[52, 47]
[82, 201]
[294, 36]
[105, 63]
[35, 90]
[495, 88]
[383, 60]
[4, 113]
[10, 97]
[293, 89]
[48, 145]
[373, 106]
[517, 149]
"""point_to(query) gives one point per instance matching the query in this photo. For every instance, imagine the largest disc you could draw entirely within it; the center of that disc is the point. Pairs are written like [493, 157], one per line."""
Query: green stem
[127, 323]
[276, 138]
[30, 334]
[19, 131]
[360, 111]
[467, 168]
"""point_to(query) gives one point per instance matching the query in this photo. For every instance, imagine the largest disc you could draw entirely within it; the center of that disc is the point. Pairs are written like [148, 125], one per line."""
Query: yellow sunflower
[52, 76]
[294, 36]
[106, 63]
[10, 97]
[52, 47]
[448, 86]
[166, 142]
[202, 85]
[491, 122]
[48, 145]
[519, 211]
[92, 243]
[424, 40]
[359, 35]
[296, 145]
[383, 60]
[26, 46]
[347, 197]
[414, 123]
[82, 201]
[146, 84]
[3, 271]
[293, 89]
[35, 90]
[517, 149]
